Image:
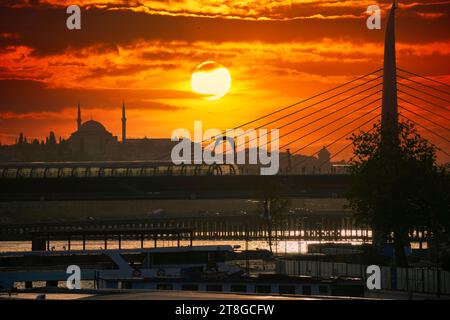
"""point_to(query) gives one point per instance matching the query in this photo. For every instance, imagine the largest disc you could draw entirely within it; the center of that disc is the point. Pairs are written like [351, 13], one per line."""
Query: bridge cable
[310, 114]
[329, 114]
[337, 129]
[419, 115]
[418, 124]
[424, 92]
[336, 140]
[376, 125]
[327, 124]
[416, 105]
[419, 98]
[423, 84]
[346, 147]
[307, 107]
[305, 100]
[299, 102]
[423, 77]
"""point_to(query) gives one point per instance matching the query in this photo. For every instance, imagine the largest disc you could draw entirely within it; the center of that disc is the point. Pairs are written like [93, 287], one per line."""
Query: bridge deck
[173, 187]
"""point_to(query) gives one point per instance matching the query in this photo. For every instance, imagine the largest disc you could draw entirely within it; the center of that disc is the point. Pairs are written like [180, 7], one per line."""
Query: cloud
[243, 9]
[25, 96]
[128, 70]
[43, 27]
[144, 51]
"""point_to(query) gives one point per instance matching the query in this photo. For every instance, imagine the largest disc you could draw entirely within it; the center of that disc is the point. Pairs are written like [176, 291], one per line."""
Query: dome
[92, 126]
[324, 155]
[324, 152]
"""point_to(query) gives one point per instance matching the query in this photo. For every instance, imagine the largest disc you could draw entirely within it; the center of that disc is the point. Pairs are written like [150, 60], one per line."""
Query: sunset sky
[144, 52]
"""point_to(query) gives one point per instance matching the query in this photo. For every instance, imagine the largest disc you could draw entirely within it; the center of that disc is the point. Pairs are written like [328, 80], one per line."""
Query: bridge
[173, 187]
[334, 114]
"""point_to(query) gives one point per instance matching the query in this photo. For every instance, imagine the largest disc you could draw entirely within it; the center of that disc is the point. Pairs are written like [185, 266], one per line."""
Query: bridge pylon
[389, 113]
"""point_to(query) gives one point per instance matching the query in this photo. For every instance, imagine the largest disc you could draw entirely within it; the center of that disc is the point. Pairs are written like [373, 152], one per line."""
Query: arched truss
[112, 169]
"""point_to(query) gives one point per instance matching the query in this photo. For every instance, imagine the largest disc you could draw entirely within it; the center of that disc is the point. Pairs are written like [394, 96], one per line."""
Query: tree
[396, 188]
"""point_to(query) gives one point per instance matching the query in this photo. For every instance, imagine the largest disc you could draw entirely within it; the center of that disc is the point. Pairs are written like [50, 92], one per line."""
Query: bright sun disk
[211, 79]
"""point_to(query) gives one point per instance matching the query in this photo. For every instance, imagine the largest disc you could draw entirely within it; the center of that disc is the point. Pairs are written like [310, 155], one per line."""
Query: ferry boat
[193, 268]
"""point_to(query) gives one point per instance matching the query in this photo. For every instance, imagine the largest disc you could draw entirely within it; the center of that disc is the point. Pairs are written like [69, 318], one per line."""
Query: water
[279, 247]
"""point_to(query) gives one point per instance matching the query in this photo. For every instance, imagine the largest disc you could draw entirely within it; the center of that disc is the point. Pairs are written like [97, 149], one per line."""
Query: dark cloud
[325, 68]
[129, 70]
[22, 96]
[173, 55]
[43, 28]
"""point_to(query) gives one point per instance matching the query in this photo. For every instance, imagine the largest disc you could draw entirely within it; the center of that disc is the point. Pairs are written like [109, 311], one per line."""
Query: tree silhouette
[396, 188]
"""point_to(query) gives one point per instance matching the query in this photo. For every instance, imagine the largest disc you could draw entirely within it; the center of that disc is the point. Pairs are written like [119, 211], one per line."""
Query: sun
[211, 79]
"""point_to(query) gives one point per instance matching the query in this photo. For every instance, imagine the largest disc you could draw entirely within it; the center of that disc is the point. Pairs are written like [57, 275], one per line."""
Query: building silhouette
[91, 139]
[90, 142]
[93, 142]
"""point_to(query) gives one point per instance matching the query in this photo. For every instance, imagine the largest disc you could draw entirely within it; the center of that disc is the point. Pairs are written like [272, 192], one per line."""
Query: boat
[192, 268]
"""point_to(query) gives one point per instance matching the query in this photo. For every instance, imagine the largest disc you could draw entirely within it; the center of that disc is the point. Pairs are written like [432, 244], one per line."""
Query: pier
[41, 240]
[318, 226]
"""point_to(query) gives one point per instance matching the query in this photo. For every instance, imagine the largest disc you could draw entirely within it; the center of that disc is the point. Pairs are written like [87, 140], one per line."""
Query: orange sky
[143, 52]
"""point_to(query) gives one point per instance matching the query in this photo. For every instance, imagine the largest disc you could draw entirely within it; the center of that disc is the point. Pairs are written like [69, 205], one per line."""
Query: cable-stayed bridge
[325, 119]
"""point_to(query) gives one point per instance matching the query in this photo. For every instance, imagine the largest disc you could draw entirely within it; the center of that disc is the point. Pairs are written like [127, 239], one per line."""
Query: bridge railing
[83, 170]
[137, 169]
[428, 280]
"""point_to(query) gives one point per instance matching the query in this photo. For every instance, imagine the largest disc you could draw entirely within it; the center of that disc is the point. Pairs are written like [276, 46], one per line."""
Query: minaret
[124, 124]
[79, 117]
[389, 113]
